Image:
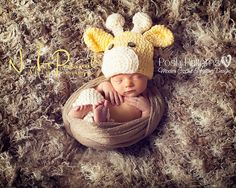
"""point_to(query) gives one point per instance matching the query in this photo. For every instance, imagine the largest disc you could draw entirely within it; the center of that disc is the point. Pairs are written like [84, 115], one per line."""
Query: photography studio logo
[226, 60]
[194, 65]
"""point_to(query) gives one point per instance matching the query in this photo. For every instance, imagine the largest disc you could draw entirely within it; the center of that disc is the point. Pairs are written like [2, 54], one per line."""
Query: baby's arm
[141, 103]
[110, 93]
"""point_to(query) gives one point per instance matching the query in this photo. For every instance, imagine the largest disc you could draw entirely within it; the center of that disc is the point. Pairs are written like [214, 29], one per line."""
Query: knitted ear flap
[97, 39]
[159, 36]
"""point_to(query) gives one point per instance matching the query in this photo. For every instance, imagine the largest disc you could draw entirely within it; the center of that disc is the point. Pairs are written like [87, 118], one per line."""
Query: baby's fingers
[116, 99]
[107, 96]
[120, 98]
[112, 98]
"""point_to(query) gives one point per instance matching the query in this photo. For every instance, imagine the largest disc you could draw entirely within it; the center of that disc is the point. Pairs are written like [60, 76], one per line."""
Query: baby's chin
[130, 94]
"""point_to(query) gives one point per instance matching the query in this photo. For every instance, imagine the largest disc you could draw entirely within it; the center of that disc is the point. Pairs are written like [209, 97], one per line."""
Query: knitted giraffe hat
[128, 52]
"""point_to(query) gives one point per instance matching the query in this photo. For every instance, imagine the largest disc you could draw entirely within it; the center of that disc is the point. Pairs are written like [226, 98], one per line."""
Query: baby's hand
[110, 93]
[141, 103]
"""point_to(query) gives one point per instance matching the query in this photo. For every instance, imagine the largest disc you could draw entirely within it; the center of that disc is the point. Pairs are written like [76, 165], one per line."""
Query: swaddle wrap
[110, 135]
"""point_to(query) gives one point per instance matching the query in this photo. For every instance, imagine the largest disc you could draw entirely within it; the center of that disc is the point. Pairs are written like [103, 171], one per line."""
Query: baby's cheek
[142, 87]
[120, 91]
[117, 87]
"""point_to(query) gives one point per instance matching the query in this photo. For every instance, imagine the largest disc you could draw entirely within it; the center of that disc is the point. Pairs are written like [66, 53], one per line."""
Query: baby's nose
[129, 83]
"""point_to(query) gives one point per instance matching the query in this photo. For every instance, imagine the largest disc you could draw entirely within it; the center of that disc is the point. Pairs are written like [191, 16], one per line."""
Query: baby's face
[129, 85]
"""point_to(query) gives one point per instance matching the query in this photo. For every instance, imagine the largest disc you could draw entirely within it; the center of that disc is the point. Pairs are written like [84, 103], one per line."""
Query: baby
[124, 96]
[127, 64]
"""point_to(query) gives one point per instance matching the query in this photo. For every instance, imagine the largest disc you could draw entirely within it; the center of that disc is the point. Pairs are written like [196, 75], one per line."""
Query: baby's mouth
[129, 92]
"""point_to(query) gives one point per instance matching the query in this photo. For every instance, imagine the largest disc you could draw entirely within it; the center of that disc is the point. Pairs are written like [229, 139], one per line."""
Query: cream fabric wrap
[110, 135]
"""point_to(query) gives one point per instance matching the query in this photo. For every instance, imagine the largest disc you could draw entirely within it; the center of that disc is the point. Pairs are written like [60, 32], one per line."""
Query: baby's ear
[97, 39]
[159, 36]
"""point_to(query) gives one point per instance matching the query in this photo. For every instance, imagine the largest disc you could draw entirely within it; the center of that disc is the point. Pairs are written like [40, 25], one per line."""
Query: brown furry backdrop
[195, 144]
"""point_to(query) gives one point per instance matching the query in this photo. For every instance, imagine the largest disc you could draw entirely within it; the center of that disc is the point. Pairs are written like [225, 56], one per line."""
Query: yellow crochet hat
[130, 51]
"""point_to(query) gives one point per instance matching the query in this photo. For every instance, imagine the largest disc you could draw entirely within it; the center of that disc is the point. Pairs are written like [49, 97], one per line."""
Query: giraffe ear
[97, 39]
[159, 36]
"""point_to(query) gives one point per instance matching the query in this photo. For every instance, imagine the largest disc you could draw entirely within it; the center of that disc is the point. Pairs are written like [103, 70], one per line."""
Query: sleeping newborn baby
[124, 100]
[123, 95]
[127, 64]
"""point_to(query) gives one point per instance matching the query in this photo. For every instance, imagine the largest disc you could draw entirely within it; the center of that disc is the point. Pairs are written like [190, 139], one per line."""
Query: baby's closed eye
[136, 77]
[118, 81]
